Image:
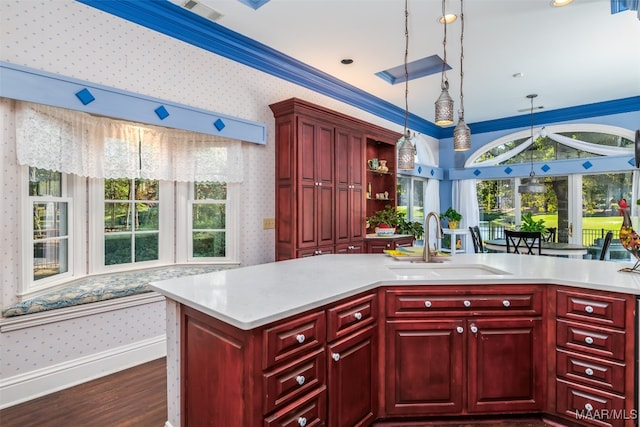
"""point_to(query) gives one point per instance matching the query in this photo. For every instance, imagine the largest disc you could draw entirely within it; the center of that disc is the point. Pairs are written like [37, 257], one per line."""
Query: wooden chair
[523, 242]
[605, 244]
[476, 239]
[550, 234]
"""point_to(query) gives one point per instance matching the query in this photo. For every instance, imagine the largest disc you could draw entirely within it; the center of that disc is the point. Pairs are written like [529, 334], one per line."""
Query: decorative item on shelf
[630, 240]
[532, 186]
[385, 230]
[383, 166]
[392, 218]
[406, 149]
[373, 164]
[453, 218]
[444, 103]
[461, 133]
[368, 190]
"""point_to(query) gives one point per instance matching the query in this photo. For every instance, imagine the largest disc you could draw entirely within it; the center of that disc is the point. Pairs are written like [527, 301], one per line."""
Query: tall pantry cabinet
[320, 178]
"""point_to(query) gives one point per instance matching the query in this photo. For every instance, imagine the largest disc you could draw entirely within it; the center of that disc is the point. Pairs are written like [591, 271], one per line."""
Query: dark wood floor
[135, 397]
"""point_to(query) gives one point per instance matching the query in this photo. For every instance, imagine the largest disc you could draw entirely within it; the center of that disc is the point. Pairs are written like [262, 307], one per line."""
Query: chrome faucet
[426, 252]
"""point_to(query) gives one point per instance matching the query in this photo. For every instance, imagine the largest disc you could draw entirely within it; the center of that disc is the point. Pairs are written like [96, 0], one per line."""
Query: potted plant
[413, 228]
[452, 216]
[530, 224]
[389, 221]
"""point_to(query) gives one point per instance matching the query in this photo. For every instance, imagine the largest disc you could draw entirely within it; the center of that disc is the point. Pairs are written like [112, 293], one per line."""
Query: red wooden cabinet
[377, 245]
[320, 179]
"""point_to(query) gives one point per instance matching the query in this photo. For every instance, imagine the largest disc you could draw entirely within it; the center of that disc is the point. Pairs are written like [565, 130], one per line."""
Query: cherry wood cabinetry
[594, 360]
[457, 351]
[320, 178]
[377, 245]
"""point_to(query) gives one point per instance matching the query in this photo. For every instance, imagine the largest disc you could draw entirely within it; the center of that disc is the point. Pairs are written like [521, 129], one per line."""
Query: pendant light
[532, 186]
[461, 133]
[406, 150]
[444, 103]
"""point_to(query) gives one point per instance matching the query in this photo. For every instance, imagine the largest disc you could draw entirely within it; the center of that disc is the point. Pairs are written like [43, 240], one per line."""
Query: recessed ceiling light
[518, 75]
[346, 61]
[560, 3]
[448, 18]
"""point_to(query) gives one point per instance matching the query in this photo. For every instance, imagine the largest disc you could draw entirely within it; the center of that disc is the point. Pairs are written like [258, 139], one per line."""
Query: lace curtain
[78, 143]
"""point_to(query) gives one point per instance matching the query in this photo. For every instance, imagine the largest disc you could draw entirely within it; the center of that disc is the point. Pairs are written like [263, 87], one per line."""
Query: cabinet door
[424, 367]
[352, 385]
[505, 365]
[350, 209]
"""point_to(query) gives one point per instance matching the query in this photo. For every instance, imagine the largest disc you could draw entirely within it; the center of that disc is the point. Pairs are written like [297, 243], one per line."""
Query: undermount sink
[420, 271]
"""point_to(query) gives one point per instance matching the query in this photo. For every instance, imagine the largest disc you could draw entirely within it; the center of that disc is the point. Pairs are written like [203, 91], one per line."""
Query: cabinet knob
[474, 329]
[319, 252]
[357, 315]
[335, 356]
[588, 407]
[467, 303]
[506, 303]
[388, 245]
[320, 184]
[588, 340]
[302, 421]
[427, 304]
[300, 338]
[300, 379]
[460, 329]
[588, 309]
[588, 371]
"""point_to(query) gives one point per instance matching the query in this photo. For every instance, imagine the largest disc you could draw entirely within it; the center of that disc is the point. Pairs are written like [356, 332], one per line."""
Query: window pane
[49, 220]
[44, 183]
[117, 249]
[117, 217]
[146, 247]
[117, 189]
[208, 244]
[208, 216]
[146, 216]
[50, 258]
[210, 190]
[496, 203]
[146, 190]
[403, 194]
[417, 203]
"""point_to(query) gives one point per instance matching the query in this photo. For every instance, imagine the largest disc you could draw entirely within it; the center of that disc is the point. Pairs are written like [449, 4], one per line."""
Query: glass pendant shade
[461, 136]
[532, 186]
[406, 153]
[444, 107]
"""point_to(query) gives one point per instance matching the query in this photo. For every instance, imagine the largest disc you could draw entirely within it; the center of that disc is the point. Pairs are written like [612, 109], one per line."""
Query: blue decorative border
[36, 86]
[174, 21]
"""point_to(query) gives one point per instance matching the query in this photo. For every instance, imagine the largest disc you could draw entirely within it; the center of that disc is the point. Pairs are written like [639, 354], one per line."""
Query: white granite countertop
[253, 296]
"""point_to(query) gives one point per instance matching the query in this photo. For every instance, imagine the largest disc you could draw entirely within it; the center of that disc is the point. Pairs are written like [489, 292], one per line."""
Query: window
[50, 225]
[411, 197]
[208, 220]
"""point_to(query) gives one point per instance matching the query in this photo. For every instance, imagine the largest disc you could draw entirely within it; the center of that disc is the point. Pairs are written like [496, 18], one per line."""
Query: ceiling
[574, 55]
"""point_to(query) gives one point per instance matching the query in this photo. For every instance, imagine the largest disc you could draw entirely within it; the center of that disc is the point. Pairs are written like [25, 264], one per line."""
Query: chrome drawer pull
[300, 338]
[506, 303]
[588, 407]
[427, 304]
[467, 303]
[335, 356]
[300, 379]
[588, 340]
[588, 371]
[588, 309]
[357, 315]
[460, 329]
[302, 421]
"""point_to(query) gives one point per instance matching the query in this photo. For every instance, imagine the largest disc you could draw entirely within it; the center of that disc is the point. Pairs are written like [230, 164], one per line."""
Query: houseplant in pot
[384, 221]
[453, 218]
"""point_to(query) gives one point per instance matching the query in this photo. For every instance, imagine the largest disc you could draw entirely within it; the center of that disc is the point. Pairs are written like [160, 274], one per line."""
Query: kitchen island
[348, 340]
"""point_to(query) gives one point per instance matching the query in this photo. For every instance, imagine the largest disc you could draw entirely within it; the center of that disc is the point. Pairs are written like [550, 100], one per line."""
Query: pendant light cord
[406, 68]
[461, 56]
[443, 82]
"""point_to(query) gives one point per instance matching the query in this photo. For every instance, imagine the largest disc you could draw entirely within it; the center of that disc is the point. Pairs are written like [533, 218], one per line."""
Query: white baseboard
[25, 387]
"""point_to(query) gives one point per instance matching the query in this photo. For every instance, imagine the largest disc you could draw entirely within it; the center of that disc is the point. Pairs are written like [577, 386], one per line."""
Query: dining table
[547, 248]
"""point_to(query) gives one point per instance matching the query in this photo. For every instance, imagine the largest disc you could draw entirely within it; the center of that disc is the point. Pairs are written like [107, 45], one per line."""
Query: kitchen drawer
[351, 316]
[590, 371]
[586, 405]
[294, 379]
[593, 307]
[311, 411]
[598, 341]
[293, 338]
[424, 302]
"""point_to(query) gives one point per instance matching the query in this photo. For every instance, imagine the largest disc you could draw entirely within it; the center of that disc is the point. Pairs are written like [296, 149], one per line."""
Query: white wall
[74, 40]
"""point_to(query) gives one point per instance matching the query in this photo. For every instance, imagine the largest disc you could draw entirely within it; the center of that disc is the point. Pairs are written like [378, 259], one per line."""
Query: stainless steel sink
[433, 271]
